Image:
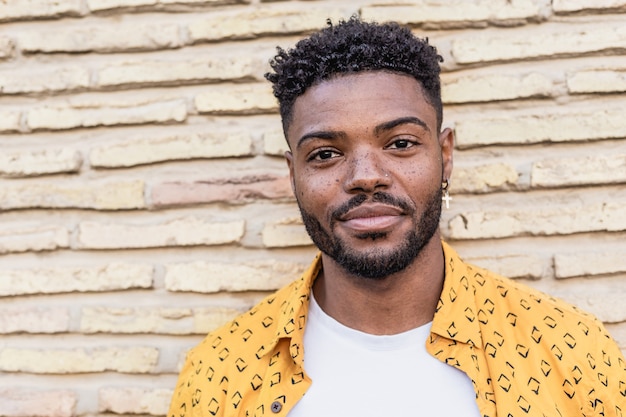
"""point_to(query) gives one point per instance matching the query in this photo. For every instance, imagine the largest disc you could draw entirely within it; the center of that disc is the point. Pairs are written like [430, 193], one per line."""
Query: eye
[401, 144]
[323, 155]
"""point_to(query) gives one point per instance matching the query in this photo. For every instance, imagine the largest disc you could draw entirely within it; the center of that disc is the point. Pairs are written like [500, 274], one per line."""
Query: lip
[371, 218]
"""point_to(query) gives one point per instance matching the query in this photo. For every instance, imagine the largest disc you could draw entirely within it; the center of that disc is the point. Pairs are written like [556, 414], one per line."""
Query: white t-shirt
[359, 374]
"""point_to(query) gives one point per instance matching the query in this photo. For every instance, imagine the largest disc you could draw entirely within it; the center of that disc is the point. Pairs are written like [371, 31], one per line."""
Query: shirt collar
[455, 315]
[455, 302]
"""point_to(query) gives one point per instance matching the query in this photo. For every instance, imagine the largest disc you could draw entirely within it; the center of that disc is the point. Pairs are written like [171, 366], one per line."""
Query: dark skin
[361, 134]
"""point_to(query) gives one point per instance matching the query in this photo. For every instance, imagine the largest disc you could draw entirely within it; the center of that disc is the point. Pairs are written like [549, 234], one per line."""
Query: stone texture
[109, 195]
[34, 320]
[560, 6]
[99, 5]
[136, 360]
[40, 162]
[159, 148]
[283, 20]
[186, 231]
[236, 190]
[7, 47]
[44, 80]
[105, 114]
[538, 220]
[20, 402]
[10, 121]
[455, 12]
[495, 87]
[112, 277]
[30, 9]
[581, 39]
[604, 299]
[33, 237]
[154, 320]
[589, 263]
[483, 178]
[210, 277]
[514, 266]
[285, 233]
[100, 37]
[134, 400]
[602, 169]
[597, 81]
[274, 143]
[574, 125]
[237, 99]
[177, 72]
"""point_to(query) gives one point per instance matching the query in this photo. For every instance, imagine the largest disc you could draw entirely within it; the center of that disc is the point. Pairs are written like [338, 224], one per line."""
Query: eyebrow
[320, 134]
[383, 127]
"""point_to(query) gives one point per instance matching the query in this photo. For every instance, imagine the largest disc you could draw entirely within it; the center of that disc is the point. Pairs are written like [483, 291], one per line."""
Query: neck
[390, 305]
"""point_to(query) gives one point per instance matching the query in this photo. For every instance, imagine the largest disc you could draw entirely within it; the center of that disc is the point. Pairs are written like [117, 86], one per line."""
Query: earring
[446, 194]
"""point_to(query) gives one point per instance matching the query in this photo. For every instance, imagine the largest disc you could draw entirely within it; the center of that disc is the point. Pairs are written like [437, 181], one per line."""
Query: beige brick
[550, 218]
[285, 233]
[33, 237]
[99, 5]
[57, 79]
[589, 263]
[210, 277]
[10, 120]
[112, 277]
[603, 298]
[154, 320]
[483, 178]
[494, 87]
[7, 47]
[237, 98]
[159, 148]
[582, 39]
[186, 231]
[136, 360]
[268, 20]
[454, 12]
[618, 332]
[20, 402]
[30, 9]
[68, 117]
[575, 125]
[99, 195]
[34, 320]
[597, 81]
[234, 190]
[100, 37]
[602, 169]
[514, 266]
[274, 143]
[560, 6]
[168, 72]
[33, 163]
[134, 400]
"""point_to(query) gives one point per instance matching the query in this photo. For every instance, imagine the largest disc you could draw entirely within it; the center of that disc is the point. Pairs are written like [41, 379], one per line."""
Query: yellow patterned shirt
[526, 353]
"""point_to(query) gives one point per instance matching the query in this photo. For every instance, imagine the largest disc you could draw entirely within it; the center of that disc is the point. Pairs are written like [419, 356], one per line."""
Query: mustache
[378, 197]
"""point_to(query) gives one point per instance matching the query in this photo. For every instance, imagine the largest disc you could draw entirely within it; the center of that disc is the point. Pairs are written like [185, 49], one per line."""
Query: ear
[446, 141]
[289, 159]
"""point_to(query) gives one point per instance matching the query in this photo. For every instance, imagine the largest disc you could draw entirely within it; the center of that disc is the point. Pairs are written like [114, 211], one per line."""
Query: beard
[376, 263]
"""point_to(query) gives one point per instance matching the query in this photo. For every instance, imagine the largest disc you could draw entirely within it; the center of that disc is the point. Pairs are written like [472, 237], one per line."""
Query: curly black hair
[349, 47]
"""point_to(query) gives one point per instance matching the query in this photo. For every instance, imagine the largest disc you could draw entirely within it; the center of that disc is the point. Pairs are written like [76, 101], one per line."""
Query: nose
[366, 173]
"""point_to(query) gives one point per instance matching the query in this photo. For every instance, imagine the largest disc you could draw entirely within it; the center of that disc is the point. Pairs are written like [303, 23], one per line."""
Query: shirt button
[276, 407]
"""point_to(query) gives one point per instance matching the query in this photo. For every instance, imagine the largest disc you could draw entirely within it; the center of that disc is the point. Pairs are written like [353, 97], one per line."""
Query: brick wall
[144, 199]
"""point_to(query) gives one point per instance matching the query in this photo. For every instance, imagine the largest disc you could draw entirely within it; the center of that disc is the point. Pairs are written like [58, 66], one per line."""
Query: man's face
[366, 166]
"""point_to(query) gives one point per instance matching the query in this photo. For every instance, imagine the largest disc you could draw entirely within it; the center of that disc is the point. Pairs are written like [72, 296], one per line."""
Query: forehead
[359, 101]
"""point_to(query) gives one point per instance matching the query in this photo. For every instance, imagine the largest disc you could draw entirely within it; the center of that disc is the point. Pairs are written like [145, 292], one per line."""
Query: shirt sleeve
[607, 396]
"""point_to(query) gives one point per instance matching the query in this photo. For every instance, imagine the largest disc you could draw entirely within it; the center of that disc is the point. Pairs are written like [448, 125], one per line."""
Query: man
[388, 321]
